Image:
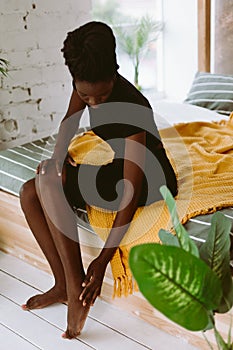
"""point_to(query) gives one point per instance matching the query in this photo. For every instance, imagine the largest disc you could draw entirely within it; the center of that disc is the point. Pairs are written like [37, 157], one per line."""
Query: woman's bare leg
[36, 220]
[63, 227]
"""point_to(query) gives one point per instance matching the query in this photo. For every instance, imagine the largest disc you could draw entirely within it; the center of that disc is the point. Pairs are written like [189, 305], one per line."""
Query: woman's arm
[69, 125]
[134, 161]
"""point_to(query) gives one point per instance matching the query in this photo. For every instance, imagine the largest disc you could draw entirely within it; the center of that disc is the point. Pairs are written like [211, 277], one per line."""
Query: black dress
[126, 112]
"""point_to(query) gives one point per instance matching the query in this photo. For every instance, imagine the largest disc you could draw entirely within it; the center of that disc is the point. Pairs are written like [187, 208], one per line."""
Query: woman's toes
[32, 303]
[24, 307]
[69, 334]
[42, 300]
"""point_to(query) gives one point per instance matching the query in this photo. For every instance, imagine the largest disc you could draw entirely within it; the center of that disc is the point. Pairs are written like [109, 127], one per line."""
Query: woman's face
[94, 93]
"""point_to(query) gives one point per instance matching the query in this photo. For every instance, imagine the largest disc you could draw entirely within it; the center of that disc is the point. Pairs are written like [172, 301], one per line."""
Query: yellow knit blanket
[202, 156]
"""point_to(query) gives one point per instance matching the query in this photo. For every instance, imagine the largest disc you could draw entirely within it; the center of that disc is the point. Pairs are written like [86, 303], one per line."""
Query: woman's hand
[45, 164]
[55, 163]
[70, 160]
[93, 282]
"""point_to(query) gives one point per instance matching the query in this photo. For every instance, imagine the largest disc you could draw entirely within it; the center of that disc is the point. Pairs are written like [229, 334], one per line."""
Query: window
[137, 25]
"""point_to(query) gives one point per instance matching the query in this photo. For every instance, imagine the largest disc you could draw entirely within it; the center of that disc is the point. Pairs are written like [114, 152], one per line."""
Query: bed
[208, 103]
[210, 99]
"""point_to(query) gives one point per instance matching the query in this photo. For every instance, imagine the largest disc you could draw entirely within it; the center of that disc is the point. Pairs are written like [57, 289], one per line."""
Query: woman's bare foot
[52, 296]
[77, 315]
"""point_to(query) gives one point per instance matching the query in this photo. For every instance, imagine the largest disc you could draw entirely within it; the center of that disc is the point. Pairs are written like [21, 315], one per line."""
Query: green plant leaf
[229, 342]
[4, 64]
[207, 340]
[216, 253]
[185, 241]
[134, 37]
[177, 283]
[211, 321]
[167, 238]
[220, 341]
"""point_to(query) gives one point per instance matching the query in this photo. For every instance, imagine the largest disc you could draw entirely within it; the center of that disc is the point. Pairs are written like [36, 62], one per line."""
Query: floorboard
[34, 329]
[17, 240]
[56, 316]
[9, 339]
[106, 327]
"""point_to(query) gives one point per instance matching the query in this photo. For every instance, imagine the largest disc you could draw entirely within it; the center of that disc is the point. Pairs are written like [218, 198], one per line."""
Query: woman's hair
[89, 52]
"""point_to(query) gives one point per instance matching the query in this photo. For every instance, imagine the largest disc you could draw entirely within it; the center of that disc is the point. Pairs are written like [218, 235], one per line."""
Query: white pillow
[169, 113]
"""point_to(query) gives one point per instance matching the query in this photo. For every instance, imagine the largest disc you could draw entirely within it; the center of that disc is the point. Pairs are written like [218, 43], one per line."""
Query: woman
[121, 116]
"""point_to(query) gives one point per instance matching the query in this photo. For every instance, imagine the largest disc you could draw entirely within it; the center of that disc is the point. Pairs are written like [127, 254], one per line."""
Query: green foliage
[4, 66]
[135, 38]
[175, 282]
[167, 238]
[184, 286]
[182, 235]
[133, 35]
[107, 11]
[216, 253]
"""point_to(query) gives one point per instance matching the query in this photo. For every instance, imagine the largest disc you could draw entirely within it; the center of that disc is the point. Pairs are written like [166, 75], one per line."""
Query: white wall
[34, 98]
[180, 47]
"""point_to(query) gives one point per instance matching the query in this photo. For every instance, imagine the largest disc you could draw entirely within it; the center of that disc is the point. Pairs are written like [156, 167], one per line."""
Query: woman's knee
[50, 180]
[27, 193]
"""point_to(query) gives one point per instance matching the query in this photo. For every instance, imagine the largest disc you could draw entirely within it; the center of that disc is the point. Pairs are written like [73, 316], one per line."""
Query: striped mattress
[19, 163]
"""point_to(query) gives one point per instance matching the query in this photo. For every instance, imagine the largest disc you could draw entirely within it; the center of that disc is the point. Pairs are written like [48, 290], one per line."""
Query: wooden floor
[107, 327]
[130, 321]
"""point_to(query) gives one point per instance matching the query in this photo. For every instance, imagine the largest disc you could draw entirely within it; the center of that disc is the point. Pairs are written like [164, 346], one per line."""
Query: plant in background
[107, 11]
[186, 284]
[4, 66]
[134, 35]
[135, 39]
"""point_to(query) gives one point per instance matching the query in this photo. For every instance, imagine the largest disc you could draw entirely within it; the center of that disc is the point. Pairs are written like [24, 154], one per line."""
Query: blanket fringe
[207, 174]
[223, 121]
[204, 212]
[123, 286]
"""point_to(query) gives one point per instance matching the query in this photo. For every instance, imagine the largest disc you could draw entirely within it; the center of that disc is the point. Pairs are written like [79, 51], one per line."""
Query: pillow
[212, 91]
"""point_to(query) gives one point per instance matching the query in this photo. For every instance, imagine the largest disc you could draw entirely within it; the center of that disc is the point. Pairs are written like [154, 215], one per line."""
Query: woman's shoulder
[124, 91]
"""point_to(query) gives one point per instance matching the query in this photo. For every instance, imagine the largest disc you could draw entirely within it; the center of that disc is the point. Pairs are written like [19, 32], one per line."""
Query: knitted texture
[88, 148]
[202, 155]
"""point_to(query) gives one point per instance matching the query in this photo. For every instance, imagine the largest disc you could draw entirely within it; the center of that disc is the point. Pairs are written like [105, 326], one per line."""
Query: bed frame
[17, 240]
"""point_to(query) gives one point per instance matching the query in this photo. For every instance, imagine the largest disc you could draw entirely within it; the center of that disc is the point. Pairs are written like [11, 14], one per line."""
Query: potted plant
[107, 11]
[4, 66]
[187, 285]
[134, 35]
[135, 39]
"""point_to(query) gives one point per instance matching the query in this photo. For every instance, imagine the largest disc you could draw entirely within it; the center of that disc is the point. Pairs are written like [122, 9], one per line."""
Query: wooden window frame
[204, 25]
